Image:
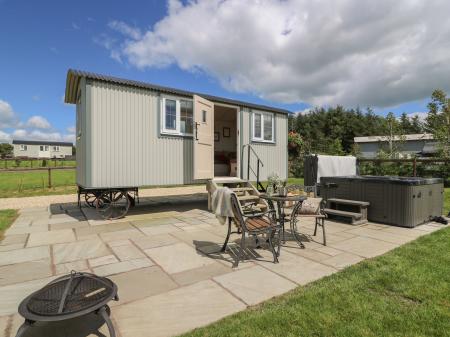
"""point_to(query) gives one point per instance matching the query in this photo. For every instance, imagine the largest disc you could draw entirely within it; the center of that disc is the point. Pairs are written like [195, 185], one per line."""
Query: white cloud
[36, 135]
[75, 26]
[36, 98]
[348, 52]
[4, 137]
[304, 111]
[8, 118]
[422, 115]
[35, 128]
[125, 29]
[71, 129]
[38, 122]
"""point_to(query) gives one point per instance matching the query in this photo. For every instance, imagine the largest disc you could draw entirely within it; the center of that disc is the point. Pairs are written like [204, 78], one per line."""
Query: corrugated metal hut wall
[273, 155]
[81, 135]
[126, 148]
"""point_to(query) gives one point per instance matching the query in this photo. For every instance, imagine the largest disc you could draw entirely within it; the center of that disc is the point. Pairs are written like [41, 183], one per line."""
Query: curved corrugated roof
[74, 76]
[40, 142]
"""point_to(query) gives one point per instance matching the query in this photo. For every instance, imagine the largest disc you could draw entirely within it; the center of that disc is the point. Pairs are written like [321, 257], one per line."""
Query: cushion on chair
[310, 206]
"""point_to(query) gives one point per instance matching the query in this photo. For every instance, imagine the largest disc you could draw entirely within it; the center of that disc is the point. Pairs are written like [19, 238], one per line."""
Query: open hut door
[203, 138]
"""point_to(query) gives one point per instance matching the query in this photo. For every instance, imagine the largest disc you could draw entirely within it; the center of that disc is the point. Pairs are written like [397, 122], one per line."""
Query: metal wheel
[112, 204]
[90, 199]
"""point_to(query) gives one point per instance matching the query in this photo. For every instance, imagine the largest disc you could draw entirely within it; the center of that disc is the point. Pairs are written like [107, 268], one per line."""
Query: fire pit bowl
[69, 296]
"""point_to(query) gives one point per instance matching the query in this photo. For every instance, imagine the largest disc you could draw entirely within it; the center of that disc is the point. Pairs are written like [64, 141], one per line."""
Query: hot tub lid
[388, 180]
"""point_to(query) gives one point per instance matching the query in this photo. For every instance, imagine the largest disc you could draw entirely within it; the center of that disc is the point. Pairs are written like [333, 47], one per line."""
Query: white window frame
[23, 147]
[177, 130]
[263, 116]
[43, 147]
[56, 148]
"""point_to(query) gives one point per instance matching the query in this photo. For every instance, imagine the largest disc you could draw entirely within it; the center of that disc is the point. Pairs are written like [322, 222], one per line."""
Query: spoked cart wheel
[113, 204]
[90, 199]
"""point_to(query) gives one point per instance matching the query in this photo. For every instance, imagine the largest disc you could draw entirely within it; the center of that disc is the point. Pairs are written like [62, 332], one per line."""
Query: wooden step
[228, 180]
[343, 213]
[241, 189]
[348, 202]
[246, 198]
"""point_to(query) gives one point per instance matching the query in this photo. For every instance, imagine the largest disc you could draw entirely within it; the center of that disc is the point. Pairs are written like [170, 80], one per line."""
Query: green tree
[6, 150]
[438, 121]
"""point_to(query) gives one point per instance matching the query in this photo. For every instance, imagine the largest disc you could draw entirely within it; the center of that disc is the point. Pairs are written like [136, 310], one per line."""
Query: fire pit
[67, 297]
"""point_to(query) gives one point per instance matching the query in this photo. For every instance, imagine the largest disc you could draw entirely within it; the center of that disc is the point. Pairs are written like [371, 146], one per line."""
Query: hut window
[171, 114]
[23, 147]
[186, 117]
[262, 127]
[176, 116]
[56, 148]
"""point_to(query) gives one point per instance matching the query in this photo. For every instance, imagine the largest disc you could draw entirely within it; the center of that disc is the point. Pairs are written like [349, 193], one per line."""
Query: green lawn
[7, 217]
[403, 293]
[446, 201]
[28, 183]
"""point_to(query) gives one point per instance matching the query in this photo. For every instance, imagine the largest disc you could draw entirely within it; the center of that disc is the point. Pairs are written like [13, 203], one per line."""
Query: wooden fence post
[49, 177]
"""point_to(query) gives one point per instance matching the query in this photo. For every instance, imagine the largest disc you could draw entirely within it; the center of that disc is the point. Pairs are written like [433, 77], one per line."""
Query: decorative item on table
[272, 182]
[281, 188]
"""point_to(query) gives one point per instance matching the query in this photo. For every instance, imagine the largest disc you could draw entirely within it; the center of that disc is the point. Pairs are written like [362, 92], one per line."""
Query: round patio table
[281, 201]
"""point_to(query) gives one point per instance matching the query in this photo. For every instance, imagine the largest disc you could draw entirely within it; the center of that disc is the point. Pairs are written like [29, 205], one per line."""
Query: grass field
[7, 217]
[403, 293]
[29, 183]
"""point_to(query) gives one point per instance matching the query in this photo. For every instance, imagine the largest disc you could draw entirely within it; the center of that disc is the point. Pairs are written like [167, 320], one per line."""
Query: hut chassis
[110, 203]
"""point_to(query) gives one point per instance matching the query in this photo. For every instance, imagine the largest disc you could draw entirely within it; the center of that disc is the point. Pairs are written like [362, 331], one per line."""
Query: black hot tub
[399, 201]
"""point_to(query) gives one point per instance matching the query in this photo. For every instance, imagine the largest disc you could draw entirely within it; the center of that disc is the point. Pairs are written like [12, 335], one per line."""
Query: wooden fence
[414, 161]
[11, 163]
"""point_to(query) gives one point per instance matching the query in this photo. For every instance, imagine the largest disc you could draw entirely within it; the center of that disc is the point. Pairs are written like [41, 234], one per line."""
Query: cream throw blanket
[221, 204]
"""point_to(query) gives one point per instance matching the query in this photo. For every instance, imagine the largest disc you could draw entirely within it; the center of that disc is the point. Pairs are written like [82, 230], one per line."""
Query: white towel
[332, 166]
[221, 204]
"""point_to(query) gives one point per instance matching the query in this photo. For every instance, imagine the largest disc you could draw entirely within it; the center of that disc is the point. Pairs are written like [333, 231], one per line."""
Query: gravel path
[46, 200]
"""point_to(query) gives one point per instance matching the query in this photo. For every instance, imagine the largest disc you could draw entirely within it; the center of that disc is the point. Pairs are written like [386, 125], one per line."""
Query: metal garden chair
[254, 224]
[319, 216]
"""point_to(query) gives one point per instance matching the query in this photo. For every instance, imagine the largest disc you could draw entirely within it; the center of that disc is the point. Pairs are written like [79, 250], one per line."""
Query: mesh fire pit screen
[68, 297]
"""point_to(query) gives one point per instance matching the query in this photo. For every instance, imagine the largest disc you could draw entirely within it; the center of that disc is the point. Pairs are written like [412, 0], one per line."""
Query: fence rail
[413, 161]
[10, 163]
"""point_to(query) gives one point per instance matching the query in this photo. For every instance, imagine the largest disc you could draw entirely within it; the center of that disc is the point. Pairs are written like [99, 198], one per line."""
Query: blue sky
[176, 44]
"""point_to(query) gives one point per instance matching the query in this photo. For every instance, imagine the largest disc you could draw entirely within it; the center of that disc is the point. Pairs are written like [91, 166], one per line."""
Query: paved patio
[163, 258]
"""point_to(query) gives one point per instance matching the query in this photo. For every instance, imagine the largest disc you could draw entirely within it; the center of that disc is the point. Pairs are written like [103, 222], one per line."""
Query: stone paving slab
[121, 267]
[101, 261]
[141, 283]
[255, 284]
[26, 271]
[67, 252]
[153, 241]
[200, 274]
[342, 260]
[65, 268]
[178, 257]
[298, 269]
[364, 246]
[51, 237]
[13, 239]
[127, 252]
[24, 255]
[176, 311]
[14, 246]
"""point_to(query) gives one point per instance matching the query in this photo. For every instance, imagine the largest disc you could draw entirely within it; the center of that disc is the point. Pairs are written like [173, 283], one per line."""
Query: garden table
[281, 202]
